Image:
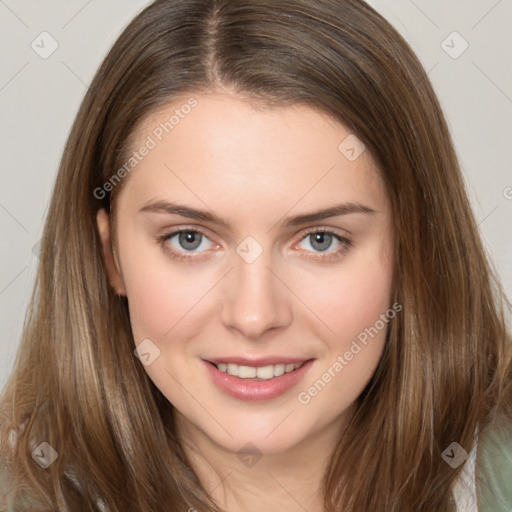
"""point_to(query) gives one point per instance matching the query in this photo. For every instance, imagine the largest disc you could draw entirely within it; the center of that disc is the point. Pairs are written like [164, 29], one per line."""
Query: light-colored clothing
[494, 470]
[464, 491]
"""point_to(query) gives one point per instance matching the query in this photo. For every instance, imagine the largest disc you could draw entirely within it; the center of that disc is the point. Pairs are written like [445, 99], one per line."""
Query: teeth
[233, 369]
[246, 372]
[279, 370]
[265, 372]
[261, 372]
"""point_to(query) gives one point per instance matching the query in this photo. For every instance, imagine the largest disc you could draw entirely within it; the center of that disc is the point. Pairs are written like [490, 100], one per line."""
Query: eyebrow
[170, 208]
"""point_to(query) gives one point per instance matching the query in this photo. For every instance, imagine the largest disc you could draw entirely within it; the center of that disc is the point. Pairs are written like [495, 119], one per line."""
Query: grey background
[39, 98]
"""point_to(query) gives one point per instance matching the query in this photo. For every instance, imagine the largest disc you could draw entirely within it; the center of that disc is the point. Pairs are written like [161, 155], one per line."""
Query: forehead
[220, 148]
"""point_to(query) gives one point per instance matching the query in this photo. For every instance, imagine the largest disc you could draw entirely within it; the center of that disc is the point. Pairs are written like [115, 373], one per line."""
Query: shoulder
[494, 467]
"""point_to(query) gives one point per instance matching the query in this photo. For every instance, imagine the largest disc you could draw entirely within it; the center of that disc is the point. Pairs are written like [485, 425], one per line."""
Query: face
[229, 265]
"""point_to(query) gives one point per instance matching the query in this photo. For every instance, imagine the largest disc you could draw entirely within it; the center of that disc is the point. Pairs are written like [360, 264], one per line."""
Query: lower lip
[252, 390]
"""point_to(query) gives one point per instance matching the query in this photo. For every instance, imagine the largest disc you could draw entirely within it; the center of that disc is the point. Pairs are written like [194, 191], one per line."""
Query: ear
[113, 268]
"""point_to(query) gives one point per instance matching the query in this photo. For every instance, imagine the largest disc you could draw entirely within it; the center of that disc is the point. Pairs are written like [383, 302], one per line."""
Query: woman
[332, 339]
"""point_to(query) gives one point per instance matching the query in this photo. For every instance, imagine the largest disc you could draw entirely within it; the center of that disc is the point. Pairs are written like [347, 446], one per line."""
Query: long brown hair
[446, 367]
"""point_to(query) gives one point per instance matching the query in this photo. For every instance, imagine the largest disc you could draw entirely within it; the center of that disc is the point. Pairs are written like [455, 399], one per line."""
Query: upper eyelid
[322, 229]
[168, 233]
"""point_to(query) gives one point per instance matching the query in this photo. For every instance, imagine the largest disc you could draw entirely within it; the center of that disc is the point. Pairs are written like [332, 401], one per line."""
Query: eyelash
[332, 255]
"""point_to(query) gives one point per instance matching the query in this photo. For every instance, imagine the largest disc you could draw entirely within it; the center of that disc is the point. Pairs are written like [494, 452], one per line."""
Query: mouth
[259, 381]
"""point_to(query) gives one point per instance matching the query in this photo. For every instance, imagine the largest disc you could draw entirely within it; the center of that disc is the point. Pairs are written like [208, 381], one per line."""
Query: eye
[181, 244]
[188, 244]
[325, 243]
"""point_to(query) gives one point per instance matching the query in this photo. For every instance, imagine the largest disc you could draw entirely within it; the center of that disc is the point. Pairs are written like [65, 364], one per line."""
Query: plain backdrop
[50, 51]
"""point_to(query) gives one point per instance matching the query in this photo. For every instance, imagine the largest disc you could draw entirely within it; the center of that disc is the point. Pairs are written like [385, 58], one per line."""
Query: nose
[256, 299]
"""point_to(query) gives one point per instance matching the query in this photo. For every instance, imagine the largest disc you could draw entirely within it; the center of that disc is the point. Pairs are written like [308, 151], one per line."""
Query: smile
[256, 383]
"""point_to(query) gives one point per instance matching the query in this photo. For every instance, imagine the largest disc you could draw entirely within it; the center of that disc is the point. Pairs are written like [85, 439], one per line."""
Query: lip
[256, 390]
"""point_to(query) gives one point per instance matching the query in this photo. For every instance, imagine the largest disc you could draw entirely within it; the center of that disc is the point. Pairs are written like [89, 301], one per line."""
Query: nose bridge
[255, 299]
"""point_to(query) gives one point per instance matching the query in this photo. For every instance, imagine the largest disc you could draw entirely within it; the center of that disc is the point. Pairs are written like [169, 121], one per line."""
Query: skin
[254, 167]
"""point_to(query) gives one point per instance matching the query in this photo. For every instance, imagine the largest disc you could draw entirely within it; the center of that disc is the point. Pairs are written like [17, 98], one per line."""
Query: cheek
[359, 312]
[159, 295]
[350, 297]
[151, 307]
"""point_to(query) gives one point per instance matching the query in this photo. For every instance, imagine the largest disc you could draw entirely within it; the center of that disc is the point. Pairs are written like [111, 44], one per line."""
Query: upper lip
[263, 361]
